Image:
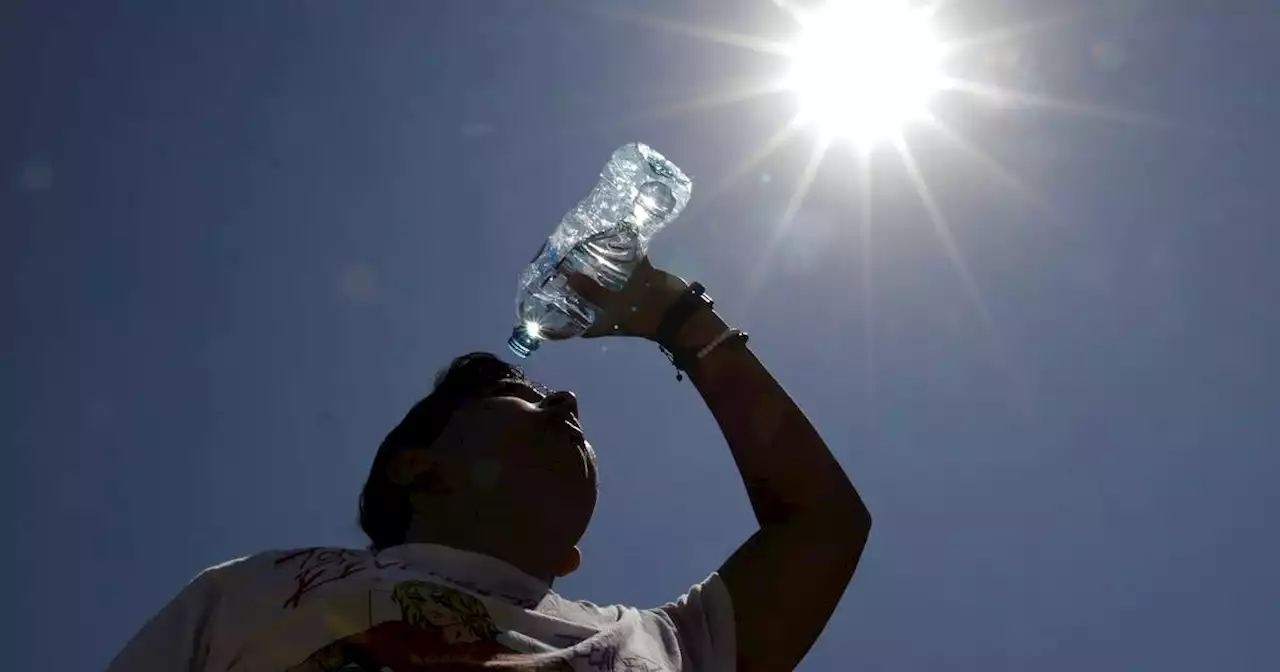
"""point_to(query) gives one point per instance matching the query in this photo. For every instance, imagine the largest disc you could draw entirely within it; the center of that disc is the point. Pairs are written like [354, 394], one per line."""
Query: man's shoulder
[298, 558]
[585, 611]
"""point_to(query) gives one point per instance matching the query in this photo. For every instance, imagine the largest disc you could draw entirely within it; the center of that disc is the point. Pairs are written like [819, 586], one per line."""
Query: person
[475, 504]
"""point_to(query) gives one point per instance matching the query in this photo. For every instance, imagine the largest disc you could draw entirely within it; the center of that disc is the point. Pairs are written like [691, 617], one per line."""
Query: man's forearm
[788, 471]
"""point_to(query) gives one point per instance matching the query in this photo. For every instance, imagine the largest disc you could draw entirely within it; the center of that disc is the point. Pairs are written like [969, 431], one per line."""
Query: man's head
[488, 462]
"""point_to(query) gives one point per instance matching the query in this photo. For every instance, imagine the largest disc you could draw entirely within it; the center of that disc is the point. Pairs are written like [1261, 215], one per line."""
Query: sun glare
[864, 68]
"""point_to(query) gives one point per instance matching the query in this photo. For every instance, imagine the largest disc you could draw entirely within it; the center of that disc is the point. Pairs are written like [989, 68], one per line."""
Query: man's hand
[636, 309]
[785, 580]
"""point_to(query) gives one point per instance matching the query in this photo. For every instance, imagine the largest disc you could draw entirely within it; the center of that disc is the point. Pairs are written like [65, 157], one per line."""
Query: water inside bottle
[654, 200]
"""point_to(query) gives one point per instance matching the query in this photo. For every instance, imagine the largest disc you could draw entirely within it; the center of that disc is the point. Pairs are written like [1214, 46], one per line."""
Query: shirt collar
[483, 575]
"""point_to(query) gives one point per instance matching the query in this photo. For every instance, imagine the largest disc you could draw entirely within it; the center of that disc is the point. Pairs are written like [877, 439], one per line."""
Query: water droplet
[358, 283]
[37, 176]
[1108, 55]
[99, 414]
[477, 129]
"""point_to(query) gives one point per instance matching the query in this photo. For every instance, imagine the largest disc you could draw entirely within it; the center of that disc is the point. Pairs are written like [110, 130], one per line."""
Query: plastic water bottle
[604, 236]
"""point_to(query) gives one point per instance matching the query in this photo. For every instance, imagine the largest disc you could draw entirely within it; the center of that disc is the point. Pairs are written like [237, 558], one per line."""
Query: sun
[863, 69]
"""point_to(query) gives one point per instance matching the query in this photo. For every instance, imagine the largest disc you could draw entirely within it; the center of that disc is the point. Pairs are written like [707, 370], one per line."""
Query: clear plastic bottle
[604, 236]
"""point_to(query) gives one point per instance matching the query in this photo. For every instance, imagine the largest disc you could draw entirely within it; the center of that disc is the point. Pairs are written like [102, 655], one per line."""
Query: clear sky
[237, 239]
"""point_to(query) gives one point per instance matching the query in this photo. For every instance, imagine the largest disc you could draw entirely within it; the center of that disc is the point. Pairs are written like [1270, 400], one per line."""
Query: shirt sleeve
[703, 618]
[176, 638]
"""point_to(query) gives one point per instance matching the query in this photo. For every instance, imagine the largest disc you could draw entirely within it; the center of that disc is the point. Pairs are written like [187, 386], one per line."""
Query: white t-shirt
[417, 607]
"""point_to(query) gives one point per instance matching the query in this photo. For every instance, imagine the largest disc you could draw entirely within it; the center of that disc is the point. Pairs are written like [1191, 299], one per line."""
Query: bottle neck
[522, 343]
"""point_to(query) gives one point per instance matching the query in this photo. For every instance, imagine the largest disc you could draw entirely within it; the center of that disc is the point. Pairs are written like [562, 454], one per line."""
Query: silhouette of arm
[787, 578]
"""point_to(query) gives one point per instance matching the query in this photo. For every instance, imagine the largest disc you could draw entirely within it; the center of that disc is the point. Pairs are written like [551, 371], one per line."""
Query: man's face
[535, 434]
[523, 454]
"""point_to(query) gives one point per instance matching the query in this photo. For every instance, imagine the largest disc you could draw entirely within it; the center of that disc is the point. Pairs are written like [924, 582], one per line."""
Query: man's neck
[494, 542]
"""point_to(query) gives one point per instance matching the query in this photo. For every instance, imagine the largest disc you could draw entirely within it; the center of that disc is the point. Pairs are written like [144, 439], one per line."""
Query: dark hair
[385, 509]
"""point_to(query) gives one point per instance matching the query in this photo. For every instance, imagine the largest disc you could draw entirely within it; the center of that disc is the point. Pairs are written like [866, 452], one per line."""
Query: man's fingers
[598, 296]
[588, 289]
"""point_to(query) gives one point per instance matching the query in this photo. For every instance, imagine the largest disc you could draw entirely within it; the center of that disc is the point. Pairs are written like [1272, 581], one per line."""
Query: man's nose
[562, 401]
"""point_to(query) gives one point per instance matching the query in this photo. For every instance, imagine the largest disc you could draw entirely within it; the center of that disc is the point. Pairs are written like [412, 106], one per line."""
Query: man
[475, 504]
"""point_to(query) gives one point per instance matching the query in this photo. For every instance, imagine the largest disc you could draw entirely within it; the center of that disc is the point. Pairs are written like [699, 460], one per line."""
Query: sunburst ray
[1017, 30]
[751, 43]
[942, 229]
[1005, 94]
[1001, 173]
[684, 107]
[867, 268]
[788, 215]
[713, 193]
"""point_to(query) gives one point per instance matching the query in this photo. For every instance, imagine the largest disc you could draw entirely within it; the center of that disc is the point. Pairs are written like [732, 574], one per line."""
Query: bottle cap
[522, 343]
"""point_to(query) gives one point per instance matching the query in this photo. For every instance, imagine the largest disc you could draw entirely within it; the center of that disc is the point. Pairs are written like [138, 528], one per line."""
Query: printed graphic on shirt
[317, 567]
[438, 628]
[321, 566]
[419, 625]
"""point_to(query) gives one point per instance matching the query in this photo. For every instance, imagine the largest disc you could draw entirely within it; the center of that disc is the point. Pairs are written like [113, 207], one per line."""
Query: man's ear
[407, 465]
[571, 562]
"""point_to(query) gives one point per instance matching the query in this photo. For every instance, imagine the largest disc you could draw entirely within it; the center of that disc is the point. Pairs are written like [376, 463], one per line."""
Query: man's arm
[786, 579]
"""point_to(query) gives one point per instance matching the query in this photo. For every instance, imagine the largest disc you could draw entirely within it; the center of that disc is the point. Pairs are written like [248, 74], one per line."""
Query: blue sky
[237, 239]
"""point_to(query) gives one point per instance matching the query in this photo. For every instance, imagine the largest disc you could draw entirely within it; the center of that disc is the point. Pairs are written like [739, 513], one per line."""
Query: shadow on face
[513, 455]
